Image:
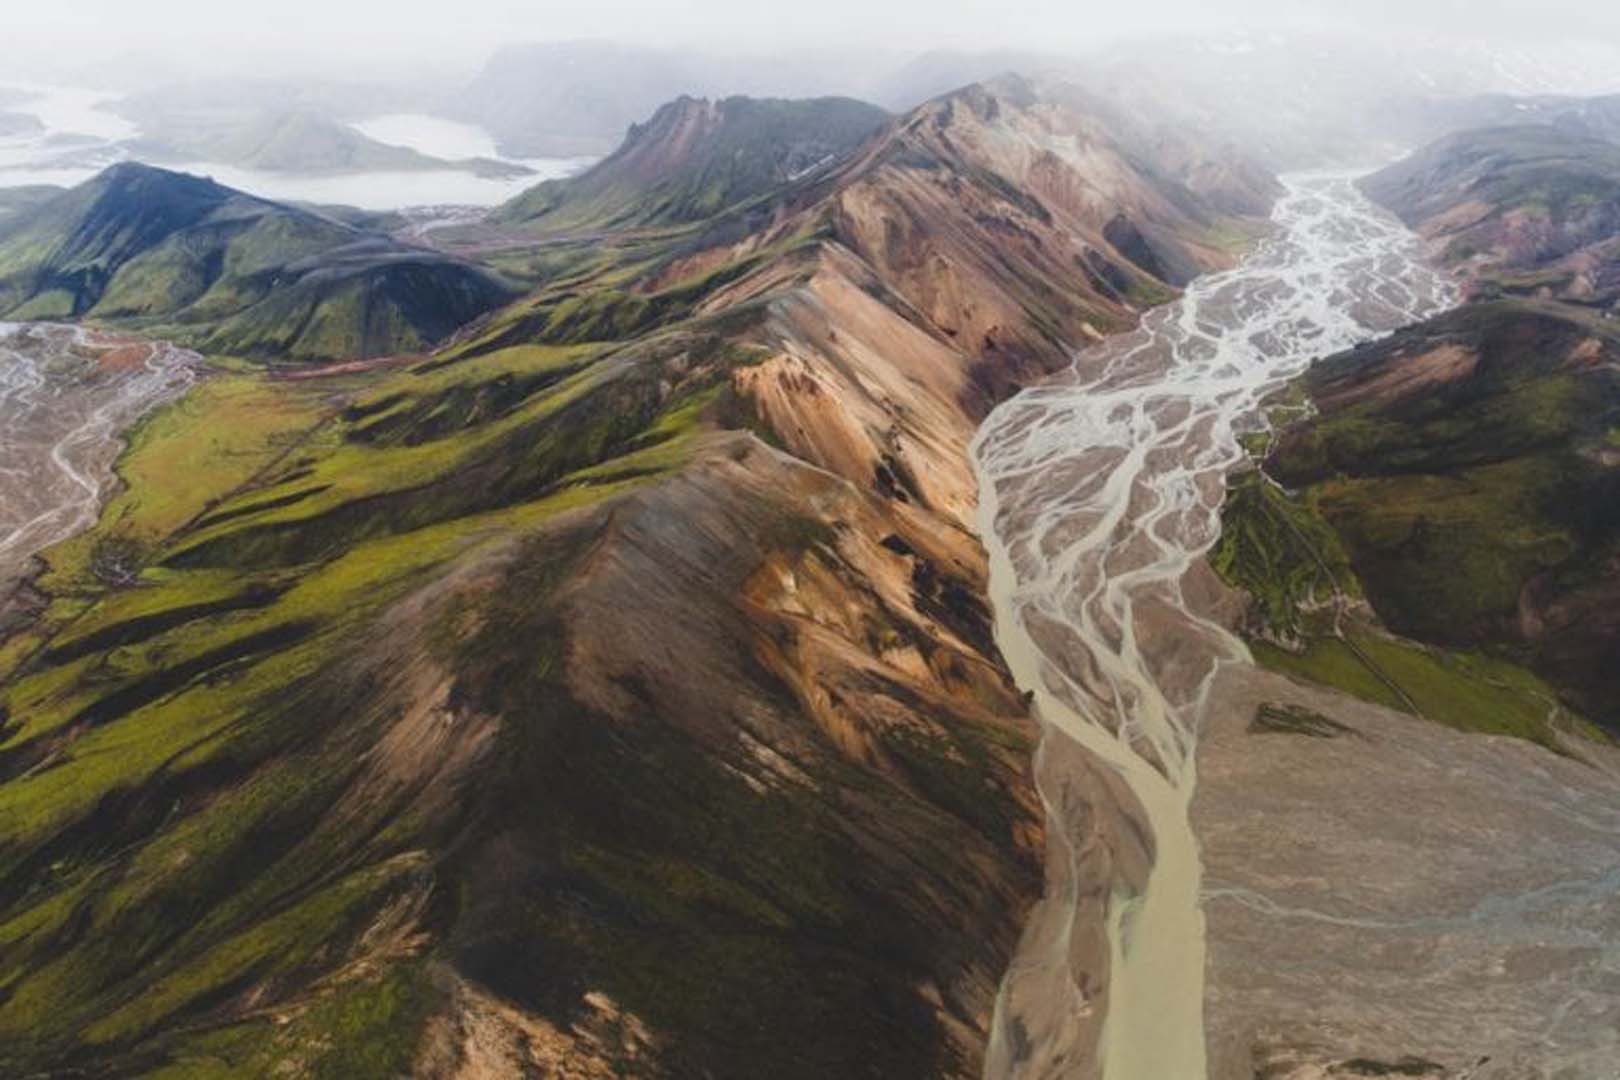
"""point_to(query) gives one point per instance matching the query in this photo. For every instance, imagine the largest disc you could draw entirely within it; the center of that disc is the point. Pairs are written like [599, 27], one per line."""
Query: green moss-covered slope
[463, 696]
[182, 256]
[608, 693]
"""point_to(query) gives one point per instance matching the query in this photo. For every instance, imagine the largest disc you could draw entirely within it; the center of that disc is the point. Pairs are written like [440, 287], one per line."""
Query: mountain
[1530, 209]
[578, 98]
[175, 254]
[282, 126]
[571, 99]
[1463, 471]
[610, 693]
[302, 127]
[298, 141]
[695, 158]
[1596, 117]
[13, 124]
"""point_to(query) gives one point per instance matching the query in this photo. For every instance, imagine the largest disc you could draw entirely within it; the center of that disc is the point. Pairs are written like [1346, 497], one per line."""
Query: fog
[429, 38]
[387, 104]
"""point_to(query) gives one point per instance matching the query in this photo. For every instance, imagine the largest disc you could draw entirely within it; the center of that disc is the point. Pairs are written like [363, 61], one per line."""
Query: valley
[1426, 533]
[1015, 581]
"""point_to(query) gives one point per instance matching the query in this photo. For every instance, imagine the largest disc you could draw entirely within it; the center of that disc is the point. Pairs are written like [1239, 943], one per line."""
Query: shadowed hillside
[1528, 210]
[1461, 475]
[695, 158]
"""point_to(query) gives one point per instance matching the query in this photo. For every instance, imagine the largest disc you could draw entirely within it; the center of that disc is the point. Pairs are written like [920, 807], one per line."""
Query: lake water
[81, 136]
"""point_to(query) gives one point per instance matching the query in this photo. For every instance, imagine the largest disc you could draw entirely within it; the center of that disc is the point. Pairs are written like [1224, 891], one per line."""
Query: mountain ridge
[697, 157]
[425, 677]
[1463, 467]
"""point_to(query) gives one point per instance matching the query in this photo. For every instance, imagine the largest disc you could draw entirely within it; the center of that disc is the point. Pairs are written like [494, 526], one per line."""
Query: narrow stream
[1099, 490]
[66, 398]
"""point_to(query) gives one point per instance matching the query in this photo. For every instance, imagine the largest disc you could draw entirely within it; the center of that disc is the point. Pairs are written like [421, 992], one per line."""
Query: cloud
[358, 36]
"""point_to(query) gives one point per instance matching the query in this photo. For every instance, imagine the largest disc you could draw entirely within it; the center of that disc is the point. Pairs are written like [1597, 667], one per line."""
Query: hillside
[180, 256]
[611, 693]
[1468, 467]
[695, 158]
[1459, 476]
[1527, 210]
[291, 125]
[295, 141]
[1595, 117]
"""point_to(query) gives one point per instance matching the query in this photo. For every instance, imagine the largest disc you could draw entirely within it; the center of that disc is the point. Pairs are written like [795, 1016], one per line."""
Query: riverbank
[67, 396]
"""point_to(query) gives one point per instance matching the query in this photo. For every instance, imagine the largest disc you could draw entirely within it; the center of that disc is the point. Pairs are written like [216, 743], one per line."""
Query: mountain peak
[129, 174]
[695, 157]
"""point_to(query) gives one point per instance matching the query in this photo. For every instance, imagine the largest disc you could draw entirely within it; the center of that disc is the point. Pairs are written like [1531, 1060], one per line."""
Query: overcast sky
[368, 35]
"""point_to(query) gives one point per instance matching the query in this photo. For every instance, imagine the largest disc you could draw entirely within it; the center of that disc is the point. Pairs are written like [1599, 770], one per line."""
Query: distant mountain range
[277, 127]
[1289, 100]
[292, 142]
[1597, 117]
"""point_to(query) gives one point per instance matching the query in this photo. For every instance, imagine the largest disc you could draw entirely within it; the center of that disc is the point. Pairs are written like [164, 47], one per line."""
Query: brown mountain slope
[610, 694]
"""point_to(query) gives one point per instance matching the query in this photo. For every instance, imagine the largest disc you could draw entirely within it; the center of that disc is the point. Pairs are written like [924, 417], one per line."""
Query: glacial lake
[79, 136]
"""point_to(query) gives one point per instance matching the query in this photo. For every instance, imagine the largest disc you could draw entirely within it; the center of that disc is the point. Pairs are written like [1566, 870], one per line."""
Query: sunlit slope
[181, 256]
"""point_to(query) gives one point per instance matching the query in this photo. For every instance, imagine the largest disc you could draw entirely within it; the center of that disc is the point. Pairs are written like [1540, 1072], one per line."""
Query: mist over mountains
[1272, 93]
[955, 544]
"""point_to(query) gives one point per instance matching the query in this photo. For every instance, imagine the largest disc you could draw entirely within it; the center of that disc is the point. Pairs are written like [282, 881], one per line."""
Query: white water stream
[66, 397]
[1099, 490]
